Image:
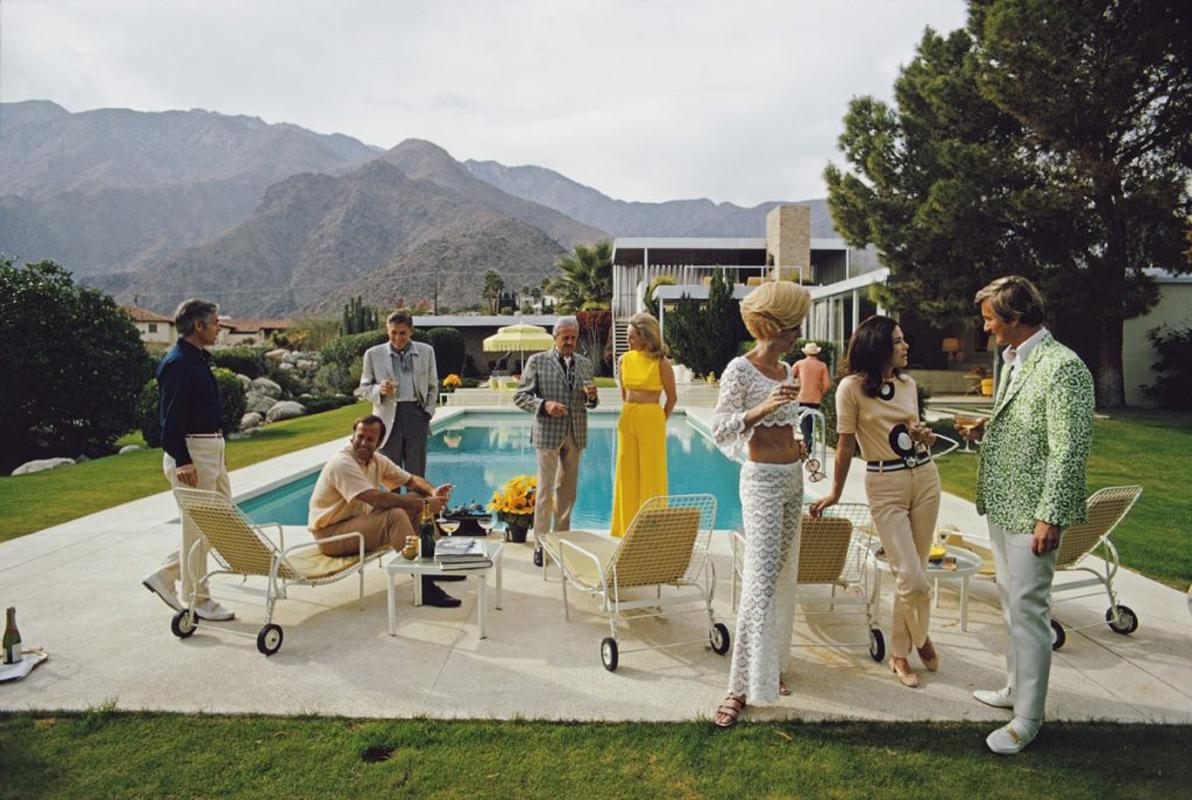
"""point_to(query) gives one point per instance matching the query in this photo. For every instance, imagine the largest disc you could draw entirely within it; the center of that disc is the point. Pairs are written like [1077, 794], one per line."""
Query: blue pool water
[479, 452]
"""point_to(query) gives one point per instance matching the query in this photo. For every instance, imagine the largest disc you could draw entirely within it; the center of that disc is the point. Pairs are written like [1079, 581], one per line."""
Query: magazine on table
[456, 548]
[470, 564]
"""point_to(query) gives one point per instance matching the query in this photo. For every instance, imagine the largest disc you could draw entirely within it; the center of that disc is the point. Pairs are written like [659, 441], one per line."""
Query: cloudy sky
[737, 101]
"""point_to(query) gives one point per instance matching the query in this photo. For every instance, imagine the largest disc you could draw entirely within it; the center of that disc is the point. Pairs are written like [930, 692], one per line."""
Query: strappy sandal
[905, 675]
[730, 710]
[783, 689]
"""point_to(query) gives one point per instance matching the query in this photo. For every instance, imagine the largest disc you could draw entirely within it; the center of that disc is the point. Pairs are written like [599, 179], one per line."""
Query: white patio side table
[419, 567]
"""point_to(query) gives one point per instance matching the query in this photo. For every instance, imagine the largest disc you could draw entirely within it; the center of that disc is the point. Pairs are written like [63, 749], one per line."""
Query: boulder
[286, 409]
[42, 464]
[276, 355]
[245, 381]
[250, 420]
[306, 365]
[258, 402]
[285, 366]
[129, 448]
[266, 387]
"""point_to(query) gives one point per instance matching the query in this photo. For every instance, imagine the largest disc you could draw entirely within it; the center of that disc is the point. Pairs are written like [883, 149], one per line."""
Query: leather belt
[204, 436]
[895, 464]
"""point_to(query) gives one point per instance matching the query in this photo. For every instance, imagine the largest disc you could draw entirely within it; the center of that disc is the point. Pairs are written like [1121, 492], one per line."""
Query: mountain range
[270, 219]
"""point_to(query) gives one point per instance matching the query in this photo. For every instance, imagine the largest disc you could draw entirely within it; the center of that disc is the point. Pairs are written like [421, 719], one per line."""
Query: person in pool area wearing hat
[812, 375]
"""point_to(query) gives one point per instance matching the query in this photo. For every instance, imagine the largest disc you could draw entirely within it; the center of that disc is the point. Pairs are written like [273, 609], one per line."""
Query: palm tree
[587, 279]
[494, 285]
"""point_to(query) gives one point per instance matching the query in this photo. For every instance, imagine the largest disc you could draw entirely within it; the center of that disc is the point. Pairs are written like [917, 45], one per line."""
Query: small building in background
[250, 331]
[154, 328]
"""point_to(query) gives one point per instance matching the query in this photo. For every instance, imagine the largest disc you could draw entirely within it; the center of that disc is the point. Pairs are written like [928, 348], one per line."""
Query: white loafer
[214, 612]
[164, 589]
[1011, 739]
[1002, 698]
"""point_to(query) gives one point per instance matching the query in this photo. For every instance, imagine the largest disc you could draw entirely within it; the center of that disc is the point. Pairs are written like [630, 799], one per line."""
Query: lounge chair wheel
[719, 638]
[1125, 621]
[269, 639]
[877, 645]
[1058, 637]
[608, 653]
[183, 625]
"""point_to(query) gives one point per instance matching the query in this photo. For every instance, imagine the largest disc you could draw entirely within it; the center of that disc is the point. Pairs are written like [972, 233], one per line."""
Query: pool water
[479, 452]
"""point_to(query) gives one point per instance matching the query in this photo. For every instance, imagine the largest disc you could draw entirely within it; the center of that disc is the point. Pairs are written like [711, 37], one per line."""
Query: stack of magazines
[461, 552]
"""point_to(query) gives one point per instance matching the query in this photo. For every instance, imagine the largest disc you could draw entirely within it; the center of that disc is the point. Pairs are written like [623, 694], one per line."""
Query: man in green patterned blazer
[1030, 485]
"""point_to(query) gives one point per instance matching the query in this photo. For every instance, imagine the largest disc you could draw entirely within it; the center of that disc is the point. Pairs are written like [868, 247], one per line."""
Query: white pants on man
[1024, 588]
[207, 455]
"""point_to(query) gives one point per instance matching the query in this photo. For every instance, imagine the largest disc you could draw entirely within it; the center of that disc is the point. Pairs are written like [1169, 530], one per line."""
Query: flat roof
[712, 243]
[483, 320]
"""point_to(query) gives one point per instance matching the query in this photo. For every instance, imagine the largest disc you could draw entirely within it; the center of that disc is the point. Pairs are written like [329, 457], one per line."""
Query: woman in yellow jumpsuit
[644, 374]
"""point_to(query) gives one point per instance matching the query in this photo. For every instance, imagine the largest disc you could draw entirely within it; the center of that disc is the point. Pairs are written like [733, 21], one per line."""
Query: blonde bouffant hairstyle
[773, 307]
[647, 327]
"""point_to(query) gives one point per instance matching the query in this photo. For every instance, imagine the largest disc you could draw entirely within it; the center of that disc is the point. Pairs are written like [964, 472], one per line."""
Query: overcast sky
[737, 101]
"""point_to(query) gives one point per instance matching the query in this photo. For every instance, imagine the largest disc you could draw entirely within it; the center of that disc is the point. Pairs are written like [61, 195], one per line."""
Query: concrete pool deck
[77, 590]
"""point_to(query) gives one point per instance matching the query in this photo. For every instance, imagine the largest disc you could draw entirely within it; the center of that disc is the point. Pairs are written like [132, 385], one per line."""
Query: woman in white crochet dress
[757, 413]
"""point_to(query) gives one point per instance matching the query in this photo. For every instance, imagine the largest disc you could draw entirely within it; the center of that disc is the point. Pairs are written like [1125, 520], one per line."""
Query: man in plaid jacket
[1031, 486]
[557, 388]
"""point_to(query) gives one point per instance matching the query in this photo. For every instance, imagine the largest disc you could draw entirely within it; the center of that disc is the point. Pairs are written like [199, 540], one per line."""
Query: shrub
[706, 336]
[327, 402]
[67, 390]
[337, 378]
[148, 414]
[449, 350]
[232, 394]
[347, 349]
[1173, 381]
[248, 361]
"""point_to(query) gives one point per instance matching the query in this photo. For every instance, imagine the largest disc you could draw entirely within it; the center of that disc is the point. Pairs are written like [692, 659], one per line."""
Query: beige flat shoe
[905, 675]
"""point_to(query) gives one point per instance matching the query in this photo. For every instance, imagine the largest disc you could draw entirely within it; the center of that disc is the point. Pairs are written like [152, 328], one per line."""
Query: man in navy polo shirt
[192, 437]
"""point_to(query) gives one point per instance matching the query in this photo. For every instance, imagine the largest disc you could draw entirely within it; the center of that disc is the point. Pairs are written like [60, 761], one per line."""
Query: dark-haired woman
[877, 406]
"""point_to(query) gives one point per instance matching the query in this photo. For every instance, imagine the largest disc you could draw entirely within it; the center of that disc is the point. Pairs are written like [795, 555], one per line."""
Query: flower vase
[516, 532]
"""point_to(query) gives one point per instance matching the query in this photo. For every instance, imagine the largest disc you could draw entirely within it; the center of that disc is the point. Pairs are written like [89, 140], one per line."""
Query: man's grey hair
[566, 322]
[191, 311]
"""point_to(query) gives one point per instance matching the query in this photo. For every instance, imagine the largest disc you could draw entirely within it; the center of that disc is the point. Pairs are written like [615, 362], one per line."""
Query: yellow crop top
[639, 371]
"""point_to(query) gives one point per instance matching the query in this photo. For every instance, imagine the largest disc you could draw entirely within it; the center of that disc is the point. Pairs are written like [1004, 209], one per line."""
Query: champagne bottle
[426, 532]
[12, 639]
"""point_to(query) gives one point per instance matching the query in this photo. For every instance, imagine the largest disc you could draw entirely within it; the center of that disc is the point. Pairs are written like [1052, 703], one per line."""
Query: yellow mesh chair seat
[314, 566]
[1105, 509]
[823, 548]
[583, 570]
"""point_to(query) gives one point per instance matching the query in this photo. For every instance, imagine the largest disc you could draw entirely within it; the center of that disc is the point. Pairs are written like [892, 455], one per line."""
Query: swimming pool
[478, 452]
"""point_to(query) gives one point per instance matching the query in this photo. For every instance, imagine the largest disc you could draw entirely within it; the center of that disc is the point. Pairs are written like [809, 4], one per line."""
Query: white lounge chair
[1106, 508]
[242, 548]
[666, 545]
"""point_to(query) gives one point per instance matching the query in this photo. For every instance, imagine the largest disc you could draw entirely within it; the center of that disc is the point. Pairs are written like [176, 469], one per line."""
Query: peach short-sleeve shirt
[342, 480]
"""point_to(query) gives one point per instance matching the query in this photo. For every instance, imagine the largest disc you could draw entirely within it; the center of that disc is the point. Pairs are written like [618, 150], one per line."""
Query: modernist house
[839, 279]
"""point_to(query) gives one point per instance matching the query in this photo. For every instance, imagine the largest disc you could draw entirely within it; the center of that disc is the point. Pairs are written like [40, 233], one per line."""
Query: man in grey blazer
[401, 379]
[557, 388]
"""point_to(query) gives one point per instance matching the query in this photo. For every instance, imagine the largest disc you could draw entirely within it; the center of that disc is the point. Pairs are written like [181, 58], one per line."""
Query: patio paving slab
[77, 590]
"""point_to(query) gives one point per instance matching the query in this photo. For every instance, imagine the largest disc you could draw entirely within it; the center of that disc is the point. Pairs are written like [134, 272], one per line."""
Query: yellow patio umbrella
[522, 338]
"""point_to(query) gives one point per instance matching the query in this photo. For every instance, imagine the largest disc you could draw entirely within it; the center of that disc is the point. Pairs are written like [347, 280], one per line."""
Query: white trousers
[1024, 588]
[207, 454]
[771, 508]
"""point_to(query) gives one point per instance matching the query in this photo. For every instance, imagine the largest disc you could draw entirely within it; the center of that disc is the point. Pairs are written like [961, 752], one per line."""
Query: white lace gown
[771, 509]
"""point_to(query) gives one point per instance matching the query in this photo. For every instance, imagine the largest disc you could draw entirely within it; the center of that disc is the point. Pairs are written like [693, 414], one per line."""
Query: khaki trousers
[558, 476]
[207, 455]
[905, 505]
[390, 525]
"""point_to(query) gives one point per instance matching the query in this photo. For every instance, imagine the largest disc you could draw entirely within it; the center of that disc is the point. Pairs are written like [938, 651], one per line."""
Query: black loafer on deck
[432, 595]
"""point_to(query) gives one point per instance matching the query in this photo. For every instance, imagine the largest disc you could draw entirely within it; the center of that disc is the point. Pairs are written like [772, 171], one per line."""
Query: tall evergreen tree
[1051, 139]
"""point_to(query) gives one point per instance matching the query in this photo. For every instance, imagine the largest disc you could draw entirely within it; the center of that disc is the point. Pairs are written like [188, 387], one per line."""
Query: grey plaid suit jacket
[544, 379]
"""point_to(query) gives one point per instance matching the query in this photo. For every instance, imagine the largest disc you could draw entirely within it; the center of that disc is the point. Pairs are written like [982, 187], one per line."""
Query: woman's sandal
[728, 711]
[783, 689]
[906, 676]
[930, 658]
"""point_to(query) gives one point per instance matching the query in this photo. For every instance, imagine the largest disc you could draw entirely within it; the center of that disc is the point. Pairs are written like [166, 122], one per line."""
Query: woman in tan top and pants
[877, 405]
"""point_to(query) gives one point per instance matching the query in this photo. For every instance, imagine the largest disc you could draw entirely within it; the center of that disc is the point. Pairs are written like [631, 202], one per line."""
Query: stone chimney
[788, 242]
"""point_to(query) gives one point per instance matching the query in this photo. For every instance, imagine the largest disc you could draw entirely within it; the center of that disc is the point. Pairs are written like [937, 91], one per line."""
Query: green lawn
[1150, 448]
[32, 502]
[103, 753]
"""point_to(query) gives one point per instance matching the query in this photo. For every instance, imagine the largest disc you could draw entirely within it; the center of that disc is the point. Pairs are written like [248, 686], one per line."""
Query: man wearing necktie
[1031, 485]
[401, 379]
[557, 388]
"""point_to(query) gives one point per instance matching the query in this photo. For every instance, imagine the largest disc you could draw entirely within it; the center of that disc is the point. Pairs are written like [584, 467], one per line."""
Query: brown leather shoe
[929, 657]
[906, 676]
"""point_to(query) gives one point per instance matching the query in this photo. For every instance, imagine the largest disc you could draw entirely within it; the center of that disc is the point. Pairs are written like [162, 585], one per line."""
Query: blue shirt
[189, 398]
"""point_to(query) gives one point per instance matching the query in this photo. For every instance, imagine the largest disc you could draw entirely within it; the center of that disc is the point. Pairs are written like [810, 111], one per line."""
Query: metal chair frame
[666, 544]
[240, 547]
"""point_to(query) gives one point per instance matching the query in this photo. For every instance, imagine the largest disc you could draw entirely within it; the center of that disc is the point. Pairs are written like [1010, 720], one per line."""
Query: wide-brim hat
[811, 349]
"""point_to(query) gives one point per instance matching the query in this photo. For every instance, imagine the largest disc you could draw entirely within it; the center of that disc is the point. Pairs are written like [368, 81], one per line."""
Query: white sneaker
[1010, 739]
[163, 588]
[1002, 698]
[214, 612]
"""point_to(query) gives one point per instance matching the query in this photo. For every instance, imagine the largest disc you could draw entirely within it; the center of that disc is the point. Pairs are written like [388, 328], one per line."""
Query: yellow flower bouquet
[514, 503]
[451, 383]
